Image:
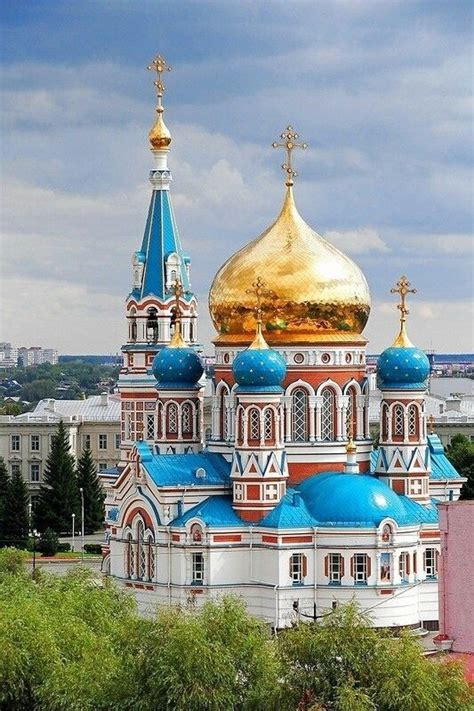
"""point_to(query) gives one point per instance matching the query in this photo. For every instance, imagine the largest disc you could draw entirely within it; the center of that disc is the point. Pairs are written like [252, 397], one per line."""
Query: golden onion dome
[313, 292]
[159, 134]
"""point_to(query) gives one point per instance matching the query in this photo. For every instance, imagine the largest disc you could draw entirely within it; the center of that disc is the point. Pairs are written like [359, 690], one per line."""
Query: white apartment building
[25, 440]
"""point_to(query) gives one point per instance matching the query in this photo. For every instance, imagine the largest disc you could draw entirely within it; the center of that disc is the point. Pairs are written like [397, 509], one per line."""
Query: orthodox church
[288, 504]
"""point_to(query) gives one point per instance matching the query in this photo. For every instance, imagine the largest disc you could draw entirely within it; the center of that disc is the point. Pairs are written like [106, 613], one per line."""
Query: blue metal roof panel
[291, 512]
[215, 511]
[180, 469]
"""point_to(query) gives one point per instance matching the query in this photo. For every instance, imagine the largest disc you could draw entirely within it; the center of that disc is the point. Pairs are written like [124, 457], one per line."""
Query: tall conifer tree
[15, 511]
[94, 510]
[4, 480]
[59, 494]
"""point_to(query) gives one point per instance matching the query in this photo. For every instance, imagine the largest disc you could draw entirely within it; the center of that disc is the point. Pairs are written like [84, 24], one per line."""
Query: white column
[339, 420]
[287, 403]
[366, 418]
[359, 434]
[180, 428]
[344, 400]
[262, 433]
[312, 418]
[405, 425]
[246, 430]
[319, 404]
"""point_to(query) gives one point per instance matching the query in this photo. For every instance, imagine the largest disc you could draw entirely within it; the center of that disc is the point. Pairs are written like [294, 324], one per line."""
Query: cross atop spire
[160, 66]
[289, 138]
[258, 288]
[403, 288]
[177, 340]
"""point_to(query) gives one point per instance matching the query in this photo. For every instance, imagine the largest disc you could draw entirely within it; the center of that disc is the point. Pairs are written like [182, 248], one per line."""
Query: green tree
[48, 544]
[94, 509]
[59, 495]
[11, 408]
[4, 480]
[38, 389]
[16, 522]
[460, 453]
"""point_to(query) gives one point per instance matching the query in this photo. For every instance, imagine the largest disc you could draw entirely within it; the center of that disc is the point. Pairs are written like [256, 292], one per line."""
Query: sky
[380, 91]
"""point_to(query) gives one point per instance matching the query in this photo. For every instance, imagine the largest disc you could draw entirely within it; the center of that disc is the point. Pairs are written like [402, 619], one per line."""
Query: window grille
[297, 572]
[102, 441]
[150, 426]
[131, 557]
[173, 418]
[300, 415]
[403, 566]
[15, 443]
[198, 569]
[431, 567]
[398, 418]
[412, 418]
[35, 472]
[141, 553]
[335, 568]
[268, 422]
[271, 492]
[254, 418]
[35, 443]
[186, 418]
[151, 560]
[327, 415]
[360, 568]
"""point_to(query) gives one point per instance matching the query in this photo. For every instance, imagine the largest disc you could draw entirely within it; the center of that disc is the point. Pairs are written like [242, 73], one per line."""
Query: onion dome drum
[405, 368]
[259, 369]
[177, 367]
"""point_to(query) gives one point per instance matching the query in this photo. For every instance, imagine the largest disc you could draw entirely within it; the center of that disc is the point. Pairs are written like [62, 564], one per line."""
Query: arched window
[412, 420]
[254, 424]
[129, 556]
[268, 426]
[191, 330]
[186, 418]
[133, 329]
[152, 325]
[327, 415]
[351, 414]
[173, 275]
[173, 418]
[398, 421]
[299, 402]
[385, 420]
[240, 433]
[141, 572]
[151, 558]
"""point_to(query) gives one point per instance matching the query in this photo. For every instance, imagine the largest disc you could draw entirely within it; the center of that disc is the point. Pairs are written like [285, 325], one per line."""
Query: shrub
[48, 544]
[64, 547]
[93, 548]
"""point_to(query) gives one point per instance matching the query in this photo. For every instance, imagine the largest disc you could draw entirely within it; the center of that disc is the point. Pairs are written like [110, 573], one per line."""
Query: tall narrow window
[172, 418]
[412, 420]
[385, 421]
[327, 415]
[152, 325]
[150, 426]
[360, 568]
[254, 424]
[15, 443]
[299, 402]
[186, 415]
[431, 562]
[268, 426]
[336, 568]
[298, 570]
[198, 569]
[151, 558]
[141, 552]
[403, 563]
[130, 556]
[398, 420]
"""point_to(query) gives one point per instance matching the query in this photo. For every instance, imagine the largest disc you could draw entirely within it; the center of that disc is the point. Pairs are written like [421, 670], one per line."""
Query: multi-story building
[94, 423]
[8, 355]
[36, 356]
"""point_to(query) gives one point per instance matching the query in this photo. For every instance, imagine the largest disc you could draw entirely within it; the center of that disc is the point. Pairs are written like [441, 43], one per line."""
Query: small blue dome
[259, 369]
[177, 367]
[352, 500]
[402, 368]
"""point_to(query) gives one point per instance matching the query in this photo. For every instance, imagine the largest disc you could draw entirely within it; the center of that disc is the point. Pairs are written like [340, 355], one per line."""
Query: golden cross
[178, 291]
[259, 291]
[403, 288]
[159, 65]
[289, 137]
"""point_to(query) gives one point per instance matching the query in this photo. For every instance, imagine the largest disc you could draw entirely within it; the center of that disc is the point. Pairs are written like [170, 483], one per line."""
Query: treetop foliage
[460, 453]
[71, 644]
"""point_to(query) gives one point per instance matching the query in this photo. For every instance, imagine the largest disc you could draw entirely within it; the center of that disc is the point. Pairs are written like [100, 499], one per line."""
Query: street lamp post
[73, 531]
[35, 533]
[82, 521]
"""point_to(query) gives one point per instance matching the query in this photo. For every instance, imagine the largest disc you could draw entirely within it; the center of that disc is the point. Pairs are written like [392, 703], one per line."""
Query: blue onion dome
[177, 365]
[336, 499]
[259, 367]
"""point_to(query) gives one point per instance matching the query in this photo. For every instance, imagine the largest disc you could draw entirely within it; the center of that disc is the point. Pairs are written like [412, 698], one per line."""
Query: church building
[288, 504]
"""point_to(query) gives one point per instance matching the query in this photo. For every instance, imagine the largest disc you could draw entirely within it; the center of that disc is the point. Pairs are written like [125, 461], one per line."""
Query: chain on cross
[159, 65]
[289, 143]
[403, 288]
[258, 289]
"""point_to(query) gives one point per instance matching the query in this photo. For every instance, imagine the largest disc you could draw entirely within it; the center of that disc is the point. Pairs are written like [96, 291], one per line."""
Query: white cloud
[357, 241]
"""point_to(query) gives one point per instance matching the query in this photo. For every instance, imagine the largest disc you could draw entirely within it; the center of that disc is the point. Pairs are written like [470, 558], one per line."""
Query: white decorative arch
[353, 383]
[329, 384]
[299, 384]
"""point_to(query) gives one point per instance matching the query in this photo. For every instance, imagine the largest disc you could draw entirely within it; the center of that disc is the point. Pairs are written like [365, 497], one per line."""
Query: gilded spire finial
[403, 288]
[258, 288]
[177, 340]
[431, 422]
[289, 138]
[159, 135]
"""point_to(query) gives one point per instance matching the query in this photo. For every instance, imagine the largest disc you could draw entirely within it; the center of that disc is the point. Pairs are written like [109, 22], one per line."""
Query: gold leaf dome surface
[159, 135]
[315, 293]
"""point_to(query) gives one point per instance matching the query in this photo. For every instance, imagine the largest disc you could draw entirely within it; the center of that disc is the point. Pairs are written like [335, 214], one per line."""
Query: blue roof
[402, 369]
[180, 469]
[441, 467]
[161, 238]
[177, 367]
[291, 512]
[214, 511]
[259, 369]
[337, 499]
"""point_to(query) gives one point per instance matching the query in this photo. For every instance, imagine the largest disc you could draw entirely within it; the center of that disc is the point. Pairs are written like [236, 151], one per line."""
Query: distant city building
[94, 423]
[36, 356]
[8, 355]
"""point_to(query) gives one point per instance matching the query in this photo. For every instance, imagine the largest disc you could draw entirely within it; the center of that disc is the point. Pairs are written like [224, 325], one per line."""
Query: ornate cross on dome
[159, 65]
[258, 288]
[177, 339]
[289, 137]
[403, 288]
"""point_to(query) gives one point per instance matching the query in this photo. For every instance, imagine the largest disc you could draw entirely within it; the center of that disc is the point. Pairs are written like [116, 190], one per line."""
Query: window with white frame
[35, 443]
[360, 568]
[86, 441]
[403, 567]
[431, 563]
[398, 420]
[186, 416]
[297, 568]
[412, 418]
[268, 425]
[238, 492]
[150, 426]
[271, 492]
[336, 570]
[327, 415]
[299, 409]
[117, 441]
[35, 471]
[102, 441]
[197, 568]
[15, 443]
[15, 468]
[254, 421]
[172, 418]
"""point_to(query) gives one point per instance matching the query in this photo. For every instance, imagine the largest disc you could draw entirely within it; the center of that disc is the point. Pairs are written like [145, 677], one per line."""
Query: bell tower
[150, 306]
